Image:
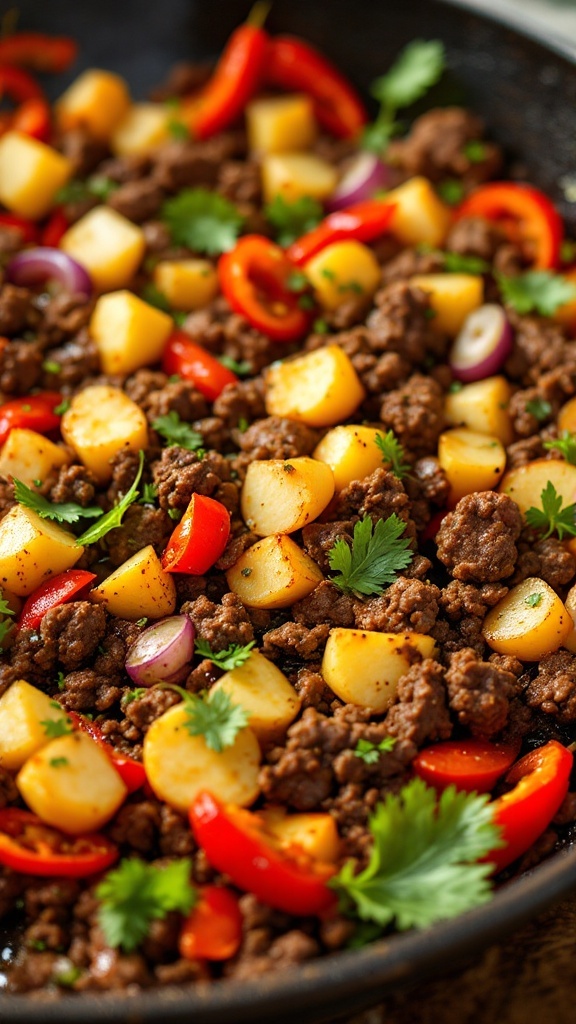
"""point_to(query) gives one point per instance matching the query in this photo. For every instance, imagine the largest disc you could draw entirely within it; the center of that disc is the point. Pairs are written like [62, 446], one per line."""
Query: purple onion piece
[365, 176]
[43, 264]
[162, 652]
[483, 344]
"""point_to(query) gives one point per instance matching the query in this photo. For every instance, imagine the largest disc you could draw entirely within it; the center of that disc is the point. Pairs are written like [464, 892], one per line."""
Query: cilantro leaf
[176, 432]
[67, 512]
[475, 151]
[136, 893]
[232, 657]
[241, 369]
[370, 752]
[178, 130]
[451, 191]
[202, 221]
[215, 717]
[539, 408]
[565, 444]
[6, 627]
[421, 868]
[5, 608]
[375, 557]
[552, 518]
[533, 600]
[154, 297]
[76, 191]
[135, 694]
[149, 494]
[455, 263]
[293, 219]
[114, 517]
[417, 68]
[536, 291]
[56, 727]
[393, 454]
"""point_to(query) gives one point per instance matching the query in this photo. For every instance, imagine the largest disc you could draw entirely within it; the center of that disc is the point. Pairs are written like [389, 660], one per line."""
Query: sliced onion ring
[163, 652]
[365, 176]
[36, 266]
[483, 344]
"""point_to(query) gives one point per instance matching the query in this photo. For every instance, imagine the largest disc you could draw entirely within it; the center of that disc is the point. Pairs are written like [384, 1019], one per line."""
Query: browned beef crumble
[476, 542]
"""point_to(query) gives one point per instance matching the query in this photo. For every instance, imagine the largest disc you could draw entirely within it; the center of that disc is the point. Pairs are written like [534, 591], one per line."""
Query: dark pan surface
[526, 90]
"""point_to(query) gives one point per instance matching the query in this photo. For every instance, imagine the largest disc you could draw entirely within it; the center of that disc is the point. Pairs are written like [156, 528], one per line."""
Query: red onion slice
[163, 652]
[365, 176]
[42, 264]
[483, 344]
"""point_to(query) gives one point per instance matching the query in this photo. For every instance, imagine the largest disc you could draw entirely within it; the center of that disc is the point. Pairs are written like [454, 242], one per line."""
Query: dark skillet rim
[377, 969]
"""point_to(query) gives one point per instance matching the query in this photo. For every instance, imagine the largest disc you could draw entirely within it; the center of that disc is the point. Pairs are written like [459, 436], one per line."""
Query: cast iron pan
[526, 90]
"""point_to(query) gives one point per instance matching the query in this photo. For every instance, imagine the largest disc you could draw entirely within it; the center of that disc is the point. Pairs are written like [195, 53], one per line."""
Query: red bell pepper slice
[295, 65]
[200, 537]
[540, 780]
[363, 222]
[130, 771]
[29, 846]
[213, 930]
[254, 277]
[34, 412]
[33, 118]
[236, 842]
[190, 361]
[55, 228]
[524, 213]
[470, 765]
[27, 228]
[38, 51]
[18, 85]
[55, 591]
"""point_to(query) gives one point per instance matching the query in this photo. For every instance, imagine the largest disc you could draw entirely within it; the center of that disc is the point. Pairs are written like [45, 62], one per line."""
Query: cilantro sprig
[96, 187]
[176, 432]
[233, 657]
[418, 67]
[6, 624]
[213, 716]
[291, 220]
[536, 291]
[370, 752]
[551, 517]
[64, 512]
[136, 893]
[56, 727]
[114, 517]
[565, 444]
[202, 221]
[393, 454]
[375, 557]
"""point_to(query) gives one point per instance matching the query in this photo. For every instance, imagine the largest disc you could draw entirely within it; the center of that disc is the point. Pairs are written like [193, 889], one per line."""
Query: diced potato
[364, 667]
[420, 215]
[293, 175]
[343, 271]
[483, 407]
[566, 313]
[273, 573]
[30, 174]
[32, 550]
[101, 421]
[570, 605]
[108, 245]
[23, 709]
[315, 834]
[128, 332]
[139, 588]
[566, 419]
[452, 298]
[29, 456]
[281, 124]
[179, 766]
[529, 623]
[471, 461]
[187, 284]
[525, 484]
[281, 496]
[143, 127]
[71, 783]
[264, 692]
[351, 452]
[320, 388]
[97, 100]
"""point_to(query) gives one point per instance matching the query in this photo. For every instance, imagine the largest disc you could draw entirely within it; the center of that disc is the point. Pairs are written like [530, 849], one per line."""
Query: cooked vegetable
[282, 496]
[269, 699]
[137, 893]
[96, 100]
[30, 174]
[200, 537]
[130, 771]
[419, 216]
[28, 456]
[273, 573]
[213, 929]
[107, 245]
[187, 284]
[42, 265]
[364, 667]
[65, 512]
[128, 332]
[552, 517]
[32, 550]
[374, 558]
[318, 388]
[351, 451]
[280, 124]
[39, 412]
[29, 846]
[316, 834]
[61, 588]
[293, 219]
[188, 360]
[529, 623]
[365, 177]
[143, 128]
[24, 712]
[471, 461]
[525, 484]
[343, 272]
[100, 422]
[163, 652]
[112, 519]
[362, 222]
[293, 175]
[482, 407]
[483, 344]
[453, 298]
[471, 765]
[139, 587]
[524, 213]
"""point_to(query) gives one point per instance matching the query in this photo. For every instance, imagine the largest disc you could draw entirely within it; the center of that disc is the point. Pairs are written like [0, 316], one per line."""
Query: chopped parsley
[176, 432]
[76, 191]
[455, 263]
[202, 221]
[475, 151]
[232, 657]
[132, 695]
[149, 494]
[551, 517]
[241, 369]
[178, 130]
[536, 291]
[154, 297]
[114, 517]
[5, 624]
[66, 512]
[375, 557]
[59, 762]
[51, 366]
[61, 681]
[320, 326]
[565, 444]
[56, 727]
[418, 67]
[136, 893]
[451, 191]
[291, 220]
[533, 600]
[59, 410]
[539, 408]
[213, 716]
[393, 454]
[370, 752]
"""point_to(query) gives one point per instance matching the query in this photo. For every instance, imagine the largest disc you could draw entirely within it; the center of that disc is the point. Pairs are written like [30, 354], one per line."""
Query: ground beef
[71, 632]
[295, 639]
[136, 826]
[474, 236]
[311, 688]
[74, 483]
[187, 164]
[180, 397]
[221, 625]
[401, 323]
[554, 688]
[182, 78]
[78, 360]
[82, 149]
[277, 438]
[88, 689]
[556, 565]
[539, 346]
[479, 692]
[436, 147]
[243, 401]
[464, 600]
[20, 366]
[407, 605]
[64, 316]
[319, 538]
[408, 262]
[142, 525]
[379, 495]
[476, 542]
[420, 713]
[180, 473]
[8, 790]
[137, 200]
[326, 603]
[415, 412]
[16, 309]
[147, 708]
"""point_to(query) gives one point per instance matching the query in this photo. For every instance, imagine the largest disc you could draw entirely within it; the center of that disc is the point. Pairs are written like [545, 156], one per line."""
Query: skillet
[525, 88]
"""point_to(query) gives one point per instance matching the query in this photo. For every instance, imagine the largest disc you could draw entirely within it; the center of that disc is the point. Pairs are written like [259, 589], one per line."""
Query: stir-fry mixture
[287, 535]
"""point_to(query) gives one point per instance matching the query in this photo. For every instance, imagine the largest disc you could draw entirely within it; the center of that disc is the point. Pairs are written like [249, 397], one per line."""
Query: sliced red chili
[33, 118]
[213, 930]
[18, 85]
[38, 51]
[525, 214]
[200, 537]
[55, 591]
[34, 412]
[470, 765]
[363, 222]
[27, 228]
[29, 846]
[189, 360]
[130, 771]
[55, 228]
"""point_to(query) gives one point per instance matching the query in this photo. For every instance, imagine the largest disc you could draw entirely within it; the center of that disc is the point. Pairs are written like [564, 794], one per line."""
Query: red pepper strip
[55, 228]
[55, 591]
[431, 529]
[34, 412]
[33, 118]
[213, 930]
[38, 51]
[27, 228]
[236, 843]
[540, 781]
[470, 765]
[524, 213]
[200, 537]
[363, 222]
[130, 771]
[293, 64]
[18, 85]
[33, 848]
[192, 362]
[254, 277]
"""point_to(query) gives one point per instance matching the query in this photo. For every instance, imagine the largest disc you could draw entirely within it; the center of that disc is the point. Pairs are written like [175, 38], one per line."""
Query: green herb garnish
[176, 432]
[113, 518]
[536, 291]
[393, 453]
[234, 655]
[552, 518]
[202, 221]
[136, 893]
[65, 512]
[293, 219]
[377, 554]
[417, 68]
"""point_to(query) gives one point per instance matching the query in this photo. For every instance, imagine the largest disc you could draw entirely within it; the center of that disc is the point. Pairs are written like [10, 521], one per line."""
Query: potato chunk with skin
[529, 623]
[471, 461]
[281, 496]
[351, 452]
[108, 245]
[101, 421]
[96, 100]
[483, 407]
[30, 174]
[143, 127]
[179, 766]
[265, 693]
[364, 667]
[273, 573]
[187, 284]
[524, 484]
[138, 588]
[32, 550]
[316, 834]
[567, 417]
[420, 215]
[343, 271]
[570, 605]
[452, 298]
[320, 388]
[293, 175]
[281, 124]
[29, 456]
[71, 783]
[129, 333]
[23, 709]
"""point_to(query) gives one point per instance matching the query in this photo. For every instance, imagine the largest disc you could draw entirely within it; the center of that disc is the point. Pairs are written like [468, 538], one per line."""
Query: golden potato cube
[524, 484]
[320, 388]
[30, 174]
[293, 175]
[420, 215]
[315, 834]
[281, 124]
[281, 496]
[187, 284]
[128, 332]
[342, 272]
[71, 783]
[33, 549]
[180, 766]
[101, 421]
[264, 692]
[29, 456]
[570, 605]
[97, 100]
[351, 452]
[23, 709]
[453, 297]
[143, 127]
[139, 588]
[471, 461]
[567, 417]
[529, 623]
[108, 245]
[364, 667]
[273, 573]
[483, 407]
